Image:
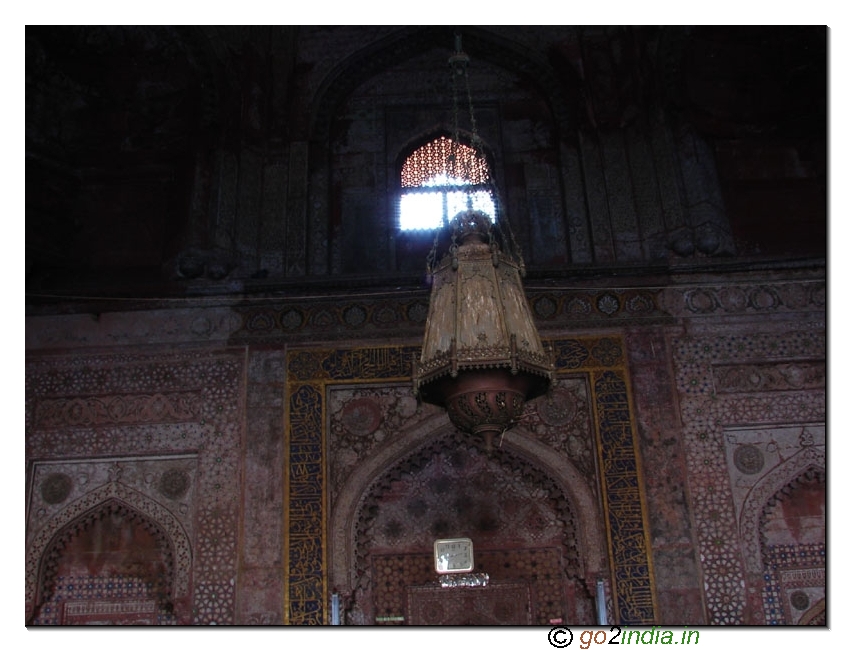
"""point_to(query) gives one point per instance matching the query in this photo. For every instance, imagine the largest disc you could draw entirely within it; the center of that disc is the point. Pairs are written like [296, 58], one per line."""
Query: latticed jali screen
[444, 158]
[400, 581]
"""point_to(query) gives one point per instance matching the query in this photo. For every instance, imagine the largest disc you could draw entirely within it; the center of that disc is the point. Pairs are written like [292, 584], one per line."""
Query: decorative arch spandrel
[307, 483]
[767, 487]
[522, 506]
[42, 541]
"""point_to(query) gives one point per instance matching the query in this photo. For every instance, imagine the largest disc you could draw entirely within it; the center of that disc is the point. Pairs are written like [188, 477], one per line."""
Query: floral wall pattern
[752, 407]
[235, 449]
[159, 434]
[314, 371]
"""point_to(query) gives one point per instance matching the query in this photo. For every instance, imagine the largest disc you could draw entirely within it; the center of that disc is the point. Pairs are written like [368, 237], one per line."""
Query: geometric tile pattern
[499, 604]
[46, 543]
[706, 415]
[312, 372]
[363, 417]
[453, 488]
[170, 426]
[792, 570]
[82, 597]
[786, 454]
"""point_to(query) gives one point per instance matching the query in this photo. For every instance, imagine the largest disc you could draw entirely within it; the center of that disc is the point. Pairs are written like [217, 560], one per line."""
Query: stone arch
[792, 535]
[325, 247]
[811, 476]
[45, 546]
[428, 436]
[810, 458]
[758, 497]
[400, 153]
[413, 41]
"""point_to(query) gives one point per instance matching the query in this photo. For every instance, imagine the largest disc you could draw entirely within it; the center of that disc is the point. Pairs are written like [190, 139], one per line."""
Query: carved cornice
[381, 314]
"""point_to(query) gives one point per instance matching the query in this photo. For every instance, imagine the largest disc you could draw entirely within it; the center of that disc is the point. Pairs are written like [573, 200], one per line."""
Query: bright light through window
[421, 211]
[425, 210]
[443, 179]
[431, 176]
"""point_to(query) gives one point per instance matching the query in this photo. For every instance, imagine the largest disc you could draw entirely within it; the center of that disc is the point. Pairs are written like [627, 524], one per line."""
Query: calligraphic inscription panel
[312, 371]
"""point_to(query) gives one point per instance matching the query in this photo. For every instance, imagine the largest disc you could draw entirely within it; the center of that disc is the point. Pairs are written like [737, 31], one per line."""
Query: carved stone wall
[158, 435]
[114, 565]
[255, 154]
[382, 467]
[681, 439]
[643, 192]
[221, 318]
[752, 403]
[676, 559]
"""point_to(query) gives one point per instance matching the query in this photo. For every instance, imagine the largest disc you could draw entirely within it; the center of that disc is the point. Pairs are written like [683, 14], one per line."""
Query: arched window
[440, 179]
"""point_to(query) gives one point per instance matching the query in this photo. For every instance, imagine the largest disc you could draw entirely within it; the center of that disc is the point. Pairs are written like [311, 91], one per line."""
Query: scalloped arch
[589, 534]
[62, 526]
[769, 485]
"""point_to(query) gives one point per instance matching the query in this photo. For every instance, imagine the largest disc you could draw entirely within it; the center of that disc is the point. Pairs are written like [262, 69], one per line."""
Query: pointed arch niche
[535, 523]
[333, 524]
[782, 525]
[793, 546]
[114, 556]
[362, 125]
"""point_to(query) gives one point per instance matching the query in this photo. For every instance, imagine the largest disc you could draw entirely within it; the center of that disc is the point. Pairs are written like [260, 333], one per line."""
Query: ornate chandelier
[482, 358]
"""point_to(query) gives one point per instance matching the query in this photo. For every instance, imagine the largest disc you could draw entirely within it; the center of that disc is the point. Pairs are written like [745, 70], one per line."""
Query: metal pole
[601, 609]
[335, 609]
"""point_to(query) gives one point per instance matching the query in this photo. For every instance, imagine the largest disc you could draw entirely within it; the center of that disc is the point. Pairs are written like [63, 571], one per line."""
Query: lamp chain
[459, 62]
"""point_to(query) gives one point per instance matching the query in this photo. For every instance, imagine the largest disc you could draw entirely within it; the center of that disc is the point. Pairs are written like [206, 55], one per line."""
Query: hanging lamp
[482, 358]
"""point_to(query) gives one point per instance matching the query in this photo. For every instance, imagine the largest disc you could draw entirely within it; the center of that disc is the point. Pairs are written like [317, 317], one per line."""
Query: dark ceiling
[116, 118]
